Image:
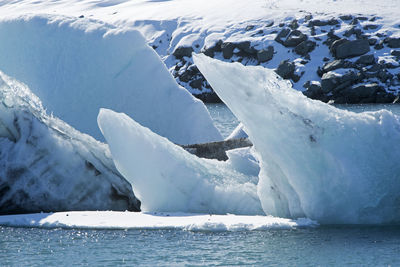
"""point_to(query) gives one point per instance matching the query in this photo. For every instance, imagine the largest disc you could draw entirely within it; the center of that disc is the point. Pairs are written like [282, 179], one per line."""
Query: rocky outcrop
[354, 43]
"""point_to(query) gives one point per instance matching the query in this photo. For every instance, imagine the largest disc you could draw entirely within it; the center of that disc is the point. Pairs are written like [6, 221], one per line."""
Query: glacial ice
[168, 178]
[46, 165]
[153, 220]
[317, 161]
[76, 66]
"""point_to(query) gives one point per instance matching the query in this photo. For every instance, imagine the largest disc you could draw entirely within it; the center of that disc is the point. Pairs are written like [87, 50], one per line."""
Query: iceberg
[317, 161]
[168, 178]
[77, 65]
[46, 165]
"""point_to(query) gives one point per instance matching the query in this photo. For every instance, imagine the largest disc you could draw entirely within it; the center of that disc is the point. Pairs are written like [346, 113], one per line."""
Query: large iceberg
[76, 66]
[168, 178]
[46, 165]
[327, 164]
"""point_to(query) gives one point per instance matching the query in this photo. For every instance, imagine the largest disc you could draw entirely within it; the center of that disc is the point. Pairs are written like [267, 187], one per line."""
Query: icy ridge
[317, 161]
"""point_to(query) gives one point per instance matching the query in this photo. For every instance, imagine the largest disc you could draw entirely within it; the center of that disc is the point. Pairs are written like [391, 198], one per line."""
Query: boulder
[286, 69]
[183, 51]
[305, 47]
[265, 55]
[349, 49]
[295, 38]
[366, 60]
[329, 81]
[393, 42]
[245, 47]
[227, 49]
[282, 34]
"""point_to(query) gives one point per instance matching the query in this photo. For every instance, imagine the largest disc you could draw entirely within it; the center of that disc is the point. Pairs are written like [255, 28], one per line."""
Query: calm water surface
[324, 246]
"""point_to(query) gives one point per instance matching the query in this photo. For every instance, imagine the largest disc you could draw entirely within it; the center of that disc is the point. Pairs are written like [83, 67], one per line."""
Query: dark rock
[295, 38]
[354, 22]
[249, 27]
[362, 18]
[384, 75]
[270, 24]
[379, 45]
[325, 59]
[314, 90]
[365, 91]
[313, 31]
[366, 60]
[294, 25]
[305, 47]
[395, 53]
[333, 65]
[208, 97]
[308, 17]
[393, 42]
[183, 51]
[317, 22]
[370, 27]
[335, 44]
[227, 49]
[282, 34]
[329, 81]
[372, 41]
[346, 17]
[281, 24]
[351, 48]
[286, 69]
[383, 97]
[265, 55]
[246, 48]
[198, 83]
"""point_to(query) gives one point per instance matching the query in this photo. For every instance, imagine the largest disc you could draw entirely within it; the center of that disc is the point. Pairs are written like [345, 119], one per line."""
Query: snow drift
[330, 165]
[168, 178]
[46, 165]
[76, 66]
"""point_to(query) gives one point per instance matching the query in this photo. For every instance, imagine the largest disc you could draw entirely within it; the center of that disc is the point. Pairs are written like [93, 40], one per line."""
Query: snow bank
[330, 165]
[136, 220]
[76, 66]
[46, 165]
[168, 178]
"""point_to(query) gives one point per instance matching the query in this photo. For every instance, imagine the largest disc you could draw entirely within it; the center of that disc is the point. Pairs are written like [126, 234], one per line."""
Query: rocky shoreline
[348, 59]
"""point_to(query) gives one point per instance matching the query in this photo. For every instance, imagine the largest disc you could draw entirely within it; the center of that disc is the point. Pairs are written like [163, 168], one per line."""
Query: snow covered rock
[168, 178]
[76, 66]
[317, 161]
[46, 165]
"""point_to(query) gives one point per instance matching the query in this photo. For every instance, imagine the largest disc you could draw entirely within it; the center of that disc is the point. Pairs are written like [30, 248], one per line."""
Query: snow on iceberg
[76, 66]
[46, 165]
[141, 220]
[327, 164]
[168, 178]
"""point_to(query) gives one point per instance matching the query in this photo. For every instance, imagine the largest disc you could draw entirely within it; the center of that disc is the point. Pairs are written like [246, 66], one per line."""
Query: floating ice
[139, 220]
[76, 66]
[168, 178]
[46, 165]
[327, 164]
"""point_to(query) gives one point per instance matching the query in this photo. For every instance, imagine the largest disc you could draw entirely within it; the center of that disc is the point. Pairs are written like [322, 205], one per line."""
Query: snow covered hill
[247, 31]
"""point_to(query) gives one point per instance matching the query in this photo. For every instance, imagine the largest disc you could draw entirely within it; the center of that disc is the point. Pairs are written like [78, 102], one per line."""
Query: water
[324, 246]
[333, 246]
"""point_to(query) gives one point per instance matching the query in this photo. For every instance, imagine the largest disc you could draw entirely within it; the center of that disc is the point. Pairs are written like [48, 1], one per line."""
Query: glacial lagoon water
[323, 246]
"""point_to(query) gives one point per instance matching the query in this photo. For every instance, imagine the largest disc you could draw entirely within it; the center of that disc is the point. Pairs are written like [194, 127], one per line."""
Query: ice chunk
[139, 220]
[76, 66]
[327, 164]
[46, 165]
[168, 178]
